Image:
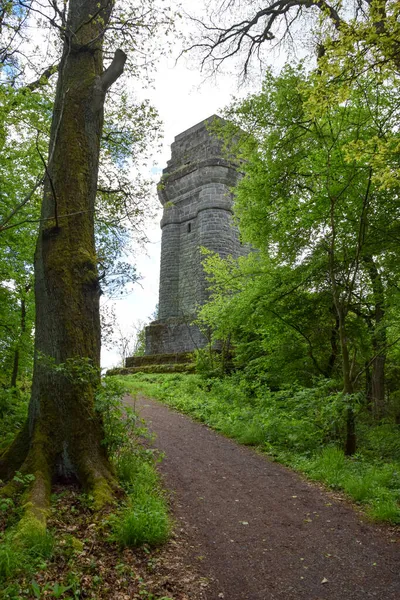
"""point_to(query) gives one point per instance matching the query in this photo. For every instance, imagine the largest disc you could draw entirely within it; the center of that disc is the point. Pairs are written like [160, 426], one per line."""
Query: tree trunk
[348, 390]
[334, 346]
[368, 386]
[65, 433]
[15, 371]
[379, 340]
[341, 312]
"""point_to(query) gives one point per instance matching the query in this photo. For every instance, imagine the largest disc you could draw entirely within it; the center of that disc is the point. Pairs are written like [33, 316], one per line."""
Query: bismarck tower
[195, 191]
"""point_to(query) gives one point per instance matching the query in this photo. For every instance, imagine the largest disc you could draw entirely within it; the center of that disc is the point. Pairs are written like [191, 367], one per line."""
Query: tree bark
[348, 388]
[379, 340]
[341, 312]
[65, 433]
[334, 345]
[16, 361]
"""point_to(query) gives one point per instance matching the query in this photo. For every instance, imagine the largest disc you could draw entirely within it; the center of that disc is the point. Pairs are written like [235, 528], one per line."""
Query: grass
[11, 559]
[384, 510]
[144, 519]
[25, 551]
[86, 563]
[296, 427]
[378, 487]
[37, 542]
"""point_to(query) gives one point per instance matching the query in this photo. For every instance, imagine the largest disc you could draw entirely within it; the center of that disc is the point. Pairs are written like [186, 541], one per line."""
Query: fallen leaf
[324, 580]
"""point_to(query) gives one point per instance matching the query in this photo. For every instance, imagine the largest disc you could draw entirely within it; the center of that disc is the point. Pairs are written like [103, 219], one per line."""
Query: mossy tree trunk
[63, 434]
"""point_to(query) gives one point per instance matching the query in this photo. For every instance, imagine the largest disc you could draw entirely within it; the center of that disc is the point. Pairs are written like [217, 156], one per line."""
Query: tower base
[173, 336]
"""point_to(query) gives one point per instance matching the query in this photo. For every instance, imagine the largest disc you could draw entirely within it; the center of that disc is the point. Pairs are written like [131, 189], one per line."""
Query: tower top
[198, 143]
[205, 124]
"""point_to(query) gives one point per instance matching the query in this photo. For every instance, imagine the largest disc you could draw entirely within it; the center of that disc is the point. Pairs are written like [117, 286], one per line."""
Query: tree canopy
[320, 295]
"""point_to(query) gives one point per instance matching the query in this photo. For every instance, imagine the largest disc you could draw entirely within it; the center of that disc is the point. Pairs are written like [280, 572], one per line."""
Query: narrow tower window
[189, 227]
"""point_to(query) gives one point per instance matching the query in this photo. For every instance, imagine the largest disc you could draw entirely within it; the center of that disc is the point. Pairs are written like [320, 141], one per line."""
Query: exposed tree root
[99, 481]
[40, 460]
[36, 505]
[36, 498]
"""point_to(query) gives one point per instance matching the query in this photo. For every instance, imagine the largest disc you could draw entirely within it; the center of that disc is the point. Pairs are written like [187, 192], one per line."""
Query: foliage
[25, 124]
[123, 429]
[319, 296]
[297, 426]
[209, 363]
[25, 552]
[144, 517]
[144, 520]
[13, 413]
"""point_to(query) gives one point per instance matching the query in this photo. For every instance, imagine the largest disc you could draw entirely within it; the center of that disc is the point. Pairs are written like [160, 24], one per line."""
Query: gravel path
[260, 532]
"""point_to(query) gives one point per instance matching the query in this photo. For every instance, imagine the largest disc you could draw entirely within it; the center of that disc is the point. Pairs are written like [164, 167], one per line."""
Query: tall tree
[63, 434]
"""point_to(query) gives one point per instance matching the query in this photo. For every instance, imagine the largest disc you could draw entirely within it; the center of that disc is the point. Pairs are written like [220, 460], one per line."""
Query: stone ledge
[161, 368]
[158, 359]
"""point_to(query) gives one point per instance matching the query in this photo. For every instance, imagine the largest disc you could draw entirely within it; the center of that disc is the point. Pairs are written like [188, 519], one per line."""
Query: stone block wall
[195, 191]
[173, 336]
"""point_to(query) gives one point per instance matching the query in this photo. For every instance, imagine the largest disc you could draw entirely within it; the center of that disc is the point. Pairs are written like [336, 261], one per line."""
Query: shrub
[381, 441]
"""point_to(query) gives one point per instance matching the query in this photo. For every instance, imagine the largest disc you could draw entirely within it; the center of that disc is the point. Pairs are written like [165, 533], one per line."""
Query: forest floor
[85, 563]
[257, 531]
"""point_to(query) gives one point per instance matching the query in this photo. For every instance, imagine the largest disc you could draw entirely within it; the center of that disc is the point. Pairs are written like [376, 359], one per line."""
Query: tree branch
[42, 80]
[6, 219]
[254, 30]
[114, 71]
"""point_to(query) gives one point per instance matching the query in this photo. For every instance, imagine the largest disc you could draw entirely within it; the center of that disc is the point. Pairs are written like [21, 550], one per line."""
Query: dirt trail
[261, 532]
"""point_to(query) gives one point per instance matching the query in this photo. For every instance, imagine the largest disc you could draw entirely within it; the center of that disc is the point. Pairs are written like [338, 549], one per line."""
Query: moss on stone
[158, 359]
[162, 368]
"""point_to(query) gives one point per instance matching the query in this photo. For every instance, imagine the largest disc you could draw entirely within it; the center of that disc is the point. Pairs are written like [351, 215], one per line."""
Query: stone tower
[195, 191]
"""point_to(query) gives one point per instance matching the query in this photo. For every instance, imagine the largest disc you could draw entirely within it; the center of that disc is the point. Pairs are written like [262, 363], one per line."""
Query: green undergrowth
[13, 413]
[140, 517]
[143, 518]
[28, 551]
[302, 428]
